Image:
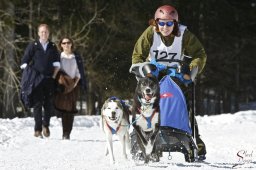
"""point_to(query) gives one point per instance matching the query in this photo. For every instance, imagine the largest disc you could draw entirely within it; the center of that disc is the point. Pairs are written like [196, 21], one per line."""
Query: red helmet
[166, 12]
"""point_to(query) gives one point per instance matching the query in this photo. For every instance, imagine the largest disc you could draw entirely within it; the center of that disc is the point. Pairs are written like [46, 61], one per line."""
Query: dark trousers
[67, 123]
[200, 144]
[43, 99]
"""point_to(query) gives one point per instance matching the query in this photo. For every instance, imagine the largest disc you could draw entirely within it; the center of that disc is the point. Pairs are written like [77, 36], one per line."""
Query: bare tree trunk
[208, 103]
[30, 27]
[10, 83]
[91, 100]
[237, 78]
[226, 102]
[218, 102]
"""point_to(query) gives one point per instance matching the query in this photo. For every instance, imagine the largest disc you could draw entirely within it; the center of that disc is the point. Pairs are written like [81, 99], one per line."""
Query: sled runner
[177, 125]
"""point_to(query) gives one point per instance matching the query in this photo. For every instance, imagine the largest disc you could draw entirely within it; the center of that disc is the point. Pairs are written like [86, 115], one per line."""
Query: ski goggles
[168, 24]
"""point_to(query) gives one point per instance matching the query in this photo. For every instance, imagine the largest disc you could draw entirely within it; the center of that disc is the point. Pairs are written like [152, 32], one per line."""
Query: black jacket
[80, 65]
[41, 60]
[29, 81]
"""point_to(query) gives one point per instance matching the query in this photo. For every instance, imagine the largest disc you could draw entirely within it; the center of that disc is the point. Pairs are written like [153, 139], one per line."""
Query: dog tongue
[148, 96]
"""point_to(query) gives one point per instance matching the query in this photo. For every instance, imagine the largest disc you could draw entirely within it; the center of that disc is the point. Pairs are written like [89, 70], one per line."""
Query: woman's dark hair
[175, 31]
[72, 43]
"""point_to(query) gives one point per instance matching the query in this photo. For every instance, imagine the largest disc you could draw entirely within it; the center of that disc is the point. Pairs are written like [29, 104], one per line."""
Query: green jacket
[191, 46]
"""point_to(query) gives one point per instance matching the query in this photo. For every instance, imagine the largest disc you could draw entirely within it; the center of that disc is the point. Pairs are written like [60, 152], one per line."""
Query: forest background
[105, 32]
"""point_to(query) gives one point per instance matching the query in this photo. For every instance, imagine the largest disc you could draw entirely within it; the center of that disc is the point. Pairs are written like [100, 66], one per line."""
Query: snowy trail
[225, 136]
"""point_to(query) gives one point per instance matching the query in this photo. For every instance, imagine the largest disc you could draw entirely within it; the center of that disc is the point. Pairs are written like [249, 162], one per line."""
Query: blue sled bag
[173, 107]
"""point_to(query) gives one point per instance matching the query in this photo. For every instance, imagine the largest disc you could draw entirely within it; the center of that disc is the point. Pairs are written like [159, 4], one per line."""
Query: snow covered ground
[230, 141]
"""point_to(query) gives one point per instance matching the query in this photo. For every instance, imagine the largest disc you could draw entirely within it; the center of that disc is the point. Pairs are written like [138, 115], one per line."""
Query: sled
[177, 124]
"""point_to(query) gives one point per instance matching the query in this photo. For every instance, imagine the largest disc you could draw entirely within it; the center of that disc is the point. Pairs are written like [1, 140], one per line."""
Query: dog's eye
[152, 84]
[108, 108]
[143, 84]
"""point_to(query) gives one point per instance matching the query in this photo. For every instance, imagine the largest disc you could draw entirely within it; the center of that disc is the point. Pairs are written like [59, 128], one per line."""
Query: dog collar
[150, 104]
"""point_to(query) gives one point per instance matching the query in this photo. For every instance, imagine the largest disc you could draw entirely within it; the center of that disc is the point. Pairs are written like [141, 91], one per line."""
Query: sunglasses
[168, 24]
[64, 43]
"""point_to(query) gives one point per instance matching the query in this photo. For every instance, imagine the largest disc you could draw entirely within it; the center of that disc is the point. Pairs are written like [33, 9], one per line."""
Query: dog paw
[138, 156]
[154, 157]
[106, 151]
[112, 162]
[125, 156]
[146, 160]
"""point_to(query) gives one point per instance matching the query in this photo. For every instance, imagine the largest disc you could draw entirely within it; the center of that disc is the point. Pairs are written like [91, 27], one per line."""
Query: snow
[230, 141]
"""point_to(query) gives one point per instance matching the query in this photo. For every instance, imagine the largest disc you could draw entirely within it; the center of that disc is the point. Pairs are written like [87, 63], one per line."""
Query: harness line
[113, 131]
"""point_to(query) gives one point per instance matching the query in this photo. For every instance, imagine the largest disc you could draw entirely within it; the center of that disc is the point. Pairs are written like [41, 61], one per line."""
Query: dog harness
[113, 131]
[148, 119]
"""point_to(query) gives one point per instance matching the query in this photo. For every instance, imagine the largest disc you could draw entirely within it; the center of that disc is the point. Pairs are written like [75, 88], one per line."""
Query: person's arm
[78, 76]
[81, 70]
[193, 47]
[55, 72]
[56, 62]
[76, 81]
[142, 46]
[28, 54]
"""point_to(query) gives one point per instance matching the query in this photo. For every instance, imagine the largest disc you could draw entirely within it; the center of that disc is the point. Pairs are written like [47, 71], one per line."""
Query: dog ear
[104, 105]
[119, 104]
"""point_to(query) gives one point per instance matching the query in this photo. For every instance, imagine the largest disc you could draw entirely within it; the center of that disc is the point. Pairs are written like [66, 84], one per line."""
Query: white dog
[115, 120]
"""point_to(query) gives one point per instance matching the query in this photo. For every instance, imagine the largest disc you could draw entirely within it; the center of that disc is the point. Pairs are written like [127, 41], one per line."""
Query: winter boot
[38, 134]
[66, 136]
[46, 131]
[200, 144]
[67, 124]
[201, 149]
